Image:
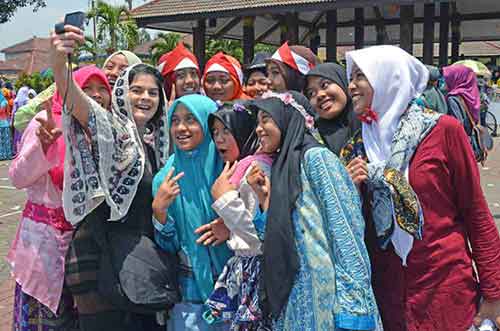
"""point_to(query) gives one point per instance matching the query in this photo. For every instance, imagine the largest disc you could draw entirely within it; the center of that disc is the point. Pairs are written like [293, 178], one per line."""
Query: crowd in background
[287, 194]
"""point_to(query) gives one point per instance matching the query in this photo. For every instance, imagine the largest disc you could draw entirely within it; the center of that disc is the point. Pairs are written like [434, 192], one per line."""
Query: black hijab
[241, 120]
[336, 132]
[281, 262]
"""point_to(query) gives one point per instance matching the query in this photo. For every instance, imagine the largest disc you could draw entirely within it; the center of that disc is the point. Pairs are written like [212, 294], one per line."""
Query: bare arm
[62, 45]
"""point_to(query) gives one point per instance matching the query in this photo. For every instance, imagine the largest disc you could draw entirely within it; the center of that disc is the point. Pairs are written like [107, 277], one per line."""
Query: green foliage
[36, 81]
[164, 44]
[233, 48]
[230, 47]
[9, 7]
[265, 48]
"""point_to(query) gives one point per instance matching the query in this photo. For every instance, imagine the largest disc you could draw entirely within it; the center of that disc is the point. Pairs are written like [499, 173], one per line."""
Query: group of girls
[293, 197]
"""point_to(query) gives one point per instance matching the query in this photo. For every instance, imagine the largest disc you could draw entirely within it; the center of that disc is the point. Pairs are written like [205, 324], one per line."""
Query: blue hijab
[193, 206]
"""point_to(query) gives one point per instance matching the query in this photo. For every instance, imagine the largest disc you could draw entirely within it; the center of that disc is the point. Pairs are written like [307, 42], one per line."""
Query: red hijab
[179, 58]
[81, 77]
[226, 63]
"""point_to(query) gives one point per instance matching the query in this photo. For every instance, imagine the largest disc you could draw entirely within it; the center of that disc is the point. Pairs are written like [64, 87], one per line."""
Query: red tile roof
[33, 44]
[184, 7]
[29, 63]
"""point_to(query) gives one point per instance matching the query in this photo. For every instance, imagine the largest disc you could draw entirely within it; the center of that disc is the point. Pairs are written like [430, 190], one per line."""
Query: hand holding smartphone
[76, 19]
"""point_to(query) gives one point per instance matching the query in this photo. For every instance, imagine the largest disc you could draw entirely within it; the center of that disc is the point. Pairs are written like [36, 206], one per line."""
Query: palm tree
[165, 42]
[230, 47]
[114, 25]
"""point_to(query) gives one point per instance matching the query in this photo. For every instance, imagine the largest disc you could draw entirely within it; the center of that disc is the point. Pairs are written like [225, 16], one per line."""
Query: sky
[26, 23]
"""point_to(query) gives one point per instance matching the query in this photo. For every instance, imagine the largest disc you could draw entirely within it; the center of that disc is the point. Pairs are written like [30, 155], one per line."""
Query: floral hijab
[110, 167]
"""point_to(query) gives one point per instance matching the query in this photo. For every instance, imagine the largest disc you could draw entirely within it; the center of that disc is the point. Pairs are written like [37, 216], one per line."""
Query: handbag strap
[467, 111]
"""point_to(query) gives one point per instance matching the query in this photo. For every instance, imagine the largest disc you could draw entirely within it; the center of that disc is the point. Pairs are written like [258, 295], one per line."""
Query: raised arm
[61, 46]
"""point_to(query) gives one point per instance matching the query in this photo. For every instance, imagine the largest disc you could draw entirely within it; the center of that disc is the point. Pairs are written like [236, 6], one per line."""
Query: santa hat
[225, 63]
[179, 58]
[291, 57]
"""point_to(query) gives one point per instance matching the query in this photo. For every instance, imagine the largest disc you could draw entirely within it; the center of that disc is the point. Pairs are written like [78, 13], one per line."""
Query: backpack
[480, 138]
[135, 275]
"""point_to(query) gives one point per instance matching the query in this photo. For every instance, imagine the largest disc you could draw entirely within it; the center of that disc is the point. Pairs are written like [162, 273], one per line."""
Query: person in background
[462, 94]
[117, 62]
[288, 66]
[180, 71]
[223, 78]
[432, 96]
[5, 132]
[429, 218]
[255, 82]
[22, 97]
[326, 89]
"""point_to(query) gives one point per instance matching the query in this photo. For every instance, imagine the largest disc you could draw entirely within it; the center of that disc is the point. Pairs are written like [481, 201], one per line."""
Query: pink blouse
[38, 251]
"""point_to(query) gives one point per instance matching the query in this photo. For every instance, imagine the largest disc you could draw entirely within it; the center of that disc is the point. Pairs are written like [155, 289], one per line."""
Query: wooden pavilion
[329, 23]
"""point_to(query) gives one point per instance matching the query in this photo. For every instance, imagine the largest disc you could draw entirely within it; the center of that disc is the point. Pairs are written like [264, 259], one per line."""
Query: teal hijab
[193, 206]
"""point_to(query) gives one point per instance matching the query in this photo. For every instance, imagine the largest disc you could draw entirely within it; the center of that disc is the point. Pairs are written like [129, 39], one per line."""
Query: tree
[9, 7]
[165, 43]
[115, 26]
[230, 47]
[35, 81]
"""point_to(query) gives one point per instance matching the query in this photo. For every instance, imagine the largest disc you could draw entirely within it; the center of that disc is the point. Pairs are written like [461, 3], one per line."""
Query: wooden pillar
[444, 21]
[290, 28]
[428, 51]
[359, 28]
[380, 29]
[199, 42]
[331, 35]
[248, 39]
[407, 15]
[455, 34]
[283, 31]
[314, 41]
[382, 37]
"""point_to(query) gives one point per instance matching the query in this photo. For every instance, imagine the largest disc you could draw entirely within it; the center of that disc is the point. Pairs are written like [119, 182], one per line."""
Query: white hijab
[396, 78]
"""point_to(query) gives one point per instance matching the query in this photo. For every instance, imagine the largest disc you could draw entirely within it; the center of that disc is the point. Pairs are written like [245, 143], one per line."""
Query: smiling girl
[237, 199]
[182, 204]
[316, 268]
[223, 78]
[326, 89]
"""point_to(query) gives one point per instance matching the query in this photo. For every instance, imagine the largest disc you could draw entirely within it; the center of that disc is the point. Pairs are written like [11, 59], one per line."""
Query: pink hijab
[461, 81]
[81, 77]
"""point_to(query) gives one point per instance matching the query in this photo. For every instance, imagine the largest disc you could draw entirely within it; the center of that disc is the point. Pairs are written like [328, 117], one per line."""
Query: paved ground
[12, 201]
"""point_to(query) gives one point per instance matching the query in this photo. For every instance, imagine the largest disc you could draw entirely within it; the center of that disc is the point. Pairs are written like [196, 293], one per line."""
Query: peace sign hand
[166, 194]
[222, 184]
[47, 132]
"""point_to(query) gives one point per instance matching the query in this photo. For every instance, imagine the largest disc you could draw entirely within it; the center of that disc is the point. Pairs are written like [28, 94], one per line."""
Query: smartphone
[76, 19]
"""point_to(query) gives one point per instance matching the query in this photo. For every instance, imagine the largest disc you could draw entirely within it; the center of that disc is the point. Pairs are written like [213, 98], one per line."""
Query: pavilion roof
[480, 19]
